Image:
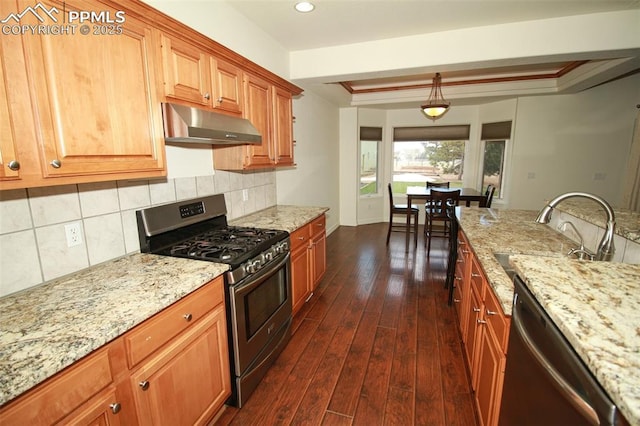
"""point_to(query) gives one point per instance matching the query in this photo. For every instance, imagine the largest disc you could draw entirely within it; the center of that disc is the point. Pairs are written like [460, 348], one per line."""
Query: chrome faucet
[605, 247]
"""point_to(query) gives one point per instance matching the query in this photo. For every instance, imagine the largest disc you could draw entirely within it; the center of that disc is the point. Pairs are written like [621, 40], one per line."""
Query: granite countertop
[287, 218]
[627, 221]
[49, 327]
[596, 305]
[493, 231]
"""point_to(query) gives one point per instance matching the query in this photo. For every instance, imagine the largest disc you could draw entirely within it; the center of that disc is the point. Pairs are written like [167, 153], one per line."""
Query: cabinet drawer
[56, 398]
[300, 237]
[318, 225]
[159, 329]
[496, 319]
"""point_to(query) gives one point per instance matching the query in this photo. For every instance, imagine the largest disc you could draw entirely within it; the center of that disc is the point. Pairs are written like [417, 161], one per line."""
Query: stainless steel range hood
[193, 125]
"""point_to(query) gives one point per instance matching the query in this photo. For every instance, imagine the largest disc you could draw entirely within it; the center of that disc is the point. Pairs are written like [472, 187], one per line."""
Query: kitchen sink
[503, 260]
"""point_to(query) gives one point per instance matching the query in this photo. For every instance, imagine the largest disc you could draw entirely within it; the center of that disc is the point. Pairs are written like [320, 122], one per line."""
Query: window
[428, 154]
[370, 140]
[495, 137]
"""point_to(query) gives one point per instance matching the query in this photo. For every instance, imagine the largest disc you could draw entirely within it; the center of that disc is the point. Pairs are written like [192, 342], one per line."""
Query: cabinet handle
[56, 163]
[475, 275]
[301, 238]
[476, 309]
[188, 317]
[491, 312]
[144, 385]
[207, 96]
[219, 100]
[115, 408]
[14, 165]
[456, 300]
[481, 321]
[458, 278]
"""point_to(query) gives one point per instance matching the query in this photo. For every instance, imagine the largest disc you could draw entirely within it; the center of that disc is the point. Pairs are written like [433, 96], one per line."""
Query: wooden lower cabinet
[185, 381]
[308, 260]
[188, 381]
[484, 329]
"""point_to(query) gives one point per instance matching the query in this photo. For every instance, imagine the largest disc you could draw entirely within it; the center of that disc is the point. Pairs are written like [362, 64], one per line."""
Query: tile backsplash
[32, 221]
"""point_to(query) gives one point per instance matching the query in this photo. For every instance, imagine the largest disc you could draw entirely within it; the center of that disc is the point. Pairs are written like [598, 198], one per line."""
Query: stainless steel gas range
[258, 284]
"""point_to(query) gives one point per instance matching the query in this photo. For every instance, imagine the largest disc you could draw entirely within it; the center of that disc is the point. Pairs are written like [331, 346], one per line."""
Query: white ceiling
[343, 22]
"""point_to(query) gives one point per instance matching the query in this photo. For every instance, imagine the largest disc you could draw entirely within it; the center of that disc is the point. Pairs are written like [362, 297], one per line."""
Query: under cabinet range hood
[194, 125]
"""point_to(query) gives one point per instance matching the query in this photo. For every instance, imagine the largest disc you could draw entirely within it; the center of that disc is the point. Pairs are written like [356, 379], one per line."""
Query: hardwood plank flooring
[377, 343]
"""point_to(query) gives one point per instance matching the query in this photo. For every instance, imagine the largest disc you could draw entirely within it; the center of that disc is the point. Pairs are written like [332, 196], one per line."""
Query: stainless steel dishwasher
[545, 382]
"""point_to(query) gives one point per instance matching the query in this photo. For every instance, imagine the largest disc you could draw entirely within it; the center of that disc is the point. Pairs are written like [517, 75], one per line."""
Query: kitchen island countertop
[596, 305]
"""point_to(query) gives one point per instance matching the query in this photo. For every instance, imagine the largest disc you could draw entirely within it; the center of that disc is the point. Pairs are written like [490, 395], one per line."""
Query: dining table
[422, 193]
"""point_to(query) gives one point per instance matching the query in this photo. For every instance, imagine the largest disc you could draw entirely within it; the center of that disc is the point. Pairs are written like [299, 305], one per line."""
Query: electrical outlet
[245, 195]
[74, 234]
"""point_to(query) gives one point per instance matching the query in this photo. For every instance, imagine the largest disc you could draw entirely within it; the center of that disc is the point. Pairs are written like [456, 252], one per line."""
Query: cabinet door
[258, 110]
[226, 87]
[9, 161]
[188, 380]
[300, 285]
[491, 362]
[318, 257]
[95, 98]
[185, 71]
[101, 410]
[283, 127]
[475, 309]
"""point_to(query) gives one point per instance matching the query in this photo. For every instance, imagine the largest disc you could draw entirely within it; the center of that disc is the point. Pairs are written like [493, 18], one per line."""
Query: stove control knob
[268, 256]
[255, 265]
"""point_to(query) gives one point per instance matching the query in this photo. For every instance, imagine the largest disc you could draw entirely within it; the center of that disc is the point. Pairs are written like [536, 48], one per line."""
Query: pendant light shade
[436, 105]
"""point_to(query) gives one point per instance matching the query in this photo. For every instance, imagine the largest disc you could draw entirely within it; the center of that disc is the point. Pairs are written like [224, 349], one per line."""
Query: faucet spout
[605, 247]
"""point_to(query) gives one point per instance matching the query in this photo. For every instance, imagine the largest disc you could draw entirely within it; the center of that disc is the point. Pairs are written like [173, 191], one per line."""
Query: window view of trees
[369, 167]
[493, 165]
[415, 163]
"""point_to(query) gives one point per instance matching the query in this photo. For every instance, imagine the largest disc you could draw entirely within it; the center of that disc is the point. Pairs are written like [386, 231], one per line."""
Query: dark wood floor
[377, 344]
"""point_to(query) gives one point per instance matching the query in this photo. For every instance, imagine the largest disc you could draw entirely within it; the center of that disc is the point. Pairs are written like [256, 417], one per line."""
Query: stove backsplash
[33, 221]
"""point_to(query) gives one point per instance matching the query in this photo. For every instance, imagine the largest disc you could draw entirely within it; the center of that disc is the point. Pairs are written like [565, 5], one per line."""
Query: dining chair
[435, 211]
[438, 184]
[402, 209]
[453, 252]
[488, 196]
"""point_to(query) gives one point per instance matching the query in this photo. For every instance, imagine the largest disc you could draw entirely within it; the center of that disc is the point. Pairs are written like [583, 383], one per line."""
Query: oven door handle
[248, 283]
[554, 375]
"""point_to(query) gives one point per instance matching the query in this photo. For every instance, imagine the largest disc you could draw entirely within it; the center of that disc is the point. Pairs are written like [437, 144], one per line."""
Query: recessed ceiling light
[304, 6]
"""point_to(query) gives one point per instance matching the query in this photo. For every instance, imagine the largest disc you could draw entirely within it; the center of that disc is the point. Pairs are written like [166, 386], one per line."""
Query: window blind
[496, 131]
[370, 133]
[431, 133]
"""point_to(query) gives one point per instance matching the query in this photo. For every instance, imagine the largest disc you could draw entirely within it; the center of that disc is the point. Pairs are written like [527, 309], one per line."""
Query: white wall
[315, 181]
[573, 143]
[348, 166]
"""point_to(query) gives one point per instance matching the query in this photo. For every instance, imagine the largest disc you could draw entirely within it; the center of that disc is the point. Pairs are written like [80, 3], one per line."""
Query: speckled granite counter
[288, 218]
[47, 328]
[627, 222]
[596, 305]
[508, 231]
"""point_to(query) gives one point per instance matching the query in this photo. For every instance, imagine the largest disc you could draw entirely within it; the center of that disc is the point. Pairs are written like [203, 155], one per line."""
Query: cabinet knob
[115, 408]
[475, 275]
[207, 96]
[219, 100]
[476, 309]
[491, 312]
[456, 300]
[481, 321]
[56, 164]
[144, 385]
[14, 165]
[188, 317]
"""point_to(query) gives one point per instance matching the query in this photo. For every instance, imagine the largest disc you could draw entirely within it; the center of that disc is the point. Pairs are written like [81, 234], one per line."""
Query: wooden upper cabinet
[227, 87]
[9, 161]
[185, 71]
[283, 126]
[259, 111]
[95, 99]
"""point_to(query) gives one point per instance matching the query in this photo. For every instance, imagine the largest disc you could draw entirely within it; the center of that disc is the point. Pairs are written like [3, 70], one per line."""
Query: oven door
[260, 308]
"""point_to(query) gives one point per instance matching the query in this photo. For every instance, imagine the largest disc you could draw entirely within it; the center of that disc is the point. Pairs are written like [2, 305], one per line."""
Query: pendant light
[436, 105]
